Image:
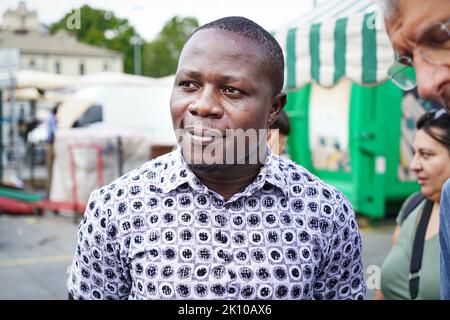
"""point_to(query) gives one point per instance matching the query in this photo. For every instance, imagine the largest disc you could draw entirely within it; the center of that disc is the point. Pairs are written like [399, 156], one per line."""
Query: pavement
[36, 251]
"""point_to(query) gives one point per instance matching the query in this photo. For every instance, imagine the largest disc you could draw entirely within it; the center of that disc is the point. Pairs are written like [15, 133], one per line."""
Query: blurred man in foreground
[420, 34]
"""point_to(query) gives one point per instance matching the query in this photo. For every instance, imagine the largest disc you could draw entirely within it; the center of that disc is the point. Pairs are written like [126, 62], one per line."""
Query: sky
[148, 17]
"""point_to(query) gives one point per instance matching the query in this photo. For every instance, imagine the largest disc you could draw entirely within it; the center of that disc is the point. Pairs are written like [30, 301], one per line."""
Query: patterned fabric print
[159, 233]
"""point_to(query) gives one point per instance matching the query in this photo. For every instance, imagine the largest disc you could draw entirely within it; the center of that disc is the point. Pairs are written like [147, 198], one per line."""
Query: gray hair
[389, 8]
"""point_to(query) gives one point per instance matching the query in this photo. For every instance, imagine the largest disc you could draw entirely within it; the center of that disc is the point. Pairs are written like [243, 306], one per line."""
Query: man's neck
[229, 181]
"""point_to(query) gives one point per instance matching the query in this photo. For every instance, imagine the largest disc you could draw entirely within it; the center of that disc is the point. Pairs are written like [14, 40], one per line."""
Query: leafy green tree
[102, 28]
[160, 56]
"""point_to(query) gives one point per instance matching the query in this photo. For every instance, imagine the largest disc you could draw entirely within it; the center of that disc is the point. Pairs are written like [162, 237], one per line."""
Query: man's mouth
[203, 136]
[199, 131]
[200, 139]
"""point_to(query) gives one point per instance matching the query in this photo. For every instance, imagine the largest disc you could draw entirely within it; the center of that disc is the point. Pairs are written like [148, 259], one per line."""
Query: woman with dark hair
[411, 269]
[278, 134]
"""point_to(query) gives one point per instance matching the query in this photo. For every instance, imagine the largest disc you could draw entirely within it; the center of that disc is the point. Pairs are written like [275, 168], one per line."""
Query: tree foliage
[102, 28]
[160, 56]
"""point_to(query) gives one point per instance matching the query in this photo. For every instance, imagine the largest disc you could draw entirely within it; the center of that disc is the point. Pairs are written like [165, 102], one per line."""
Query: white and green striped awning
[354, 46]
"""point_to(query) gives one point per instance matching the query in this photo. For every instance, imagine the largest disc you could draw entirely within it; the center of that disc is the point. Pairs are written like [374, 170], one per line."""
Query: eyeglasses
[402, 73]
[433, 46]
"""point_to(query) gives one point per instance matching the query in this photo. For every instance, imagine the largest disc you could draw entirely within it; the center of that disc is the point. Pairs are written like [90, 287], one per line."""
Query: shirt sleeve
[444, 238]
[97, 271]
[341, 276]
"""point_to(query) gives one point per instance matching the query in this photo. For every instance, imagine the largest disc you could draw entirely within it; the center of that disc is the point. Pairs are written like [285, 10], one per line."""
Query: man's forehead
[221, 45]
[218, 40]
[413, 17]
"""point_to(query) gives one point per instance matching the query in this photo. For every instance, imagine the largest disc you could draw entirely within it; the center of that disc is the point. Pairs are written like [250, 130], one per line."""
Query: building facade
[60, 53]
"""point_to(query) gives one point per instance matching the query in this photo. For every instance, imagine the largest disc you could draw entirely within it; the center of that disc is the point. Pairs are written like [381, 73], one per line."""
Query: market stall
[350, 126]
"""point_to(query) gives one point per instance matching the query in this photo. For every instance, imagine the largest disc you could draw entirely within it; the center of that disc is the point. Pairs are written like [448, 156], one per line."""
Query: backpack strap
[413, 202]
[417, 251]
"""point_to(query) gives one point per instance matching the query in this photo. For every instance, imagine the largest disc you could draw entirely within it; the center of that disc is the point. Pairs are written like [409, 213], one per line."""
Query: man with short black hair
[221, 217]
[420, 34]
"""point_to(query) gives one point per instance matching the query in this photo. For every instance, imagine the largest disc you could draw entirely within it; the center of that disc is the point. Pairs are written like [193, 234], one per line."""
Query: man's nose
[428, 78]
[206, 104]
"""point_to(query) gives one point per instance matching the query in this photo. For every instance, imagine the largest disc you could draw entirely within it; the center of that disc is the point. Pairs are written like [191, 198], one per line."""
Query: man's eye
[187, 84]
[231, 90]
[436, 36]
[437, 40]
[442, 40]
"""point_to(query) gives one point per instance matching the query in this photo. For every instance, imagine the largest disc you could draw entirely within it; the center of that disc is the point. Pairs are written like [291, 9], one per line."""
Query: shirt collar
[272, 172]
[179, 174]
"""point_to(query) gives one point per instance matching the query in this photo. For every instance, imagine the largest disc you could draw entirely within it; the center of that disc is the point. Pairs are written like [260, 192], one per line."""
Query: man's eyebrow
[223, 77]
[190, 73]
[229, 78]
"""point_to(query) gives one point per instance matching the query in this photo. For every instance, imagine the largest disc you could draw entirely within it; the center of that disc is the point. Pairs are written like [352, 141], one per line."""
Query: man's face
[411, 22]
[223, 82]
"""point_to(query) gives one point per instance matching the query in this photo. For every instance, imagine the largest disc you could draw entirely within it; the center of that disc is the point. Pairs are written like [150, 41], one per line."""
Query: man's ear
[278, 103]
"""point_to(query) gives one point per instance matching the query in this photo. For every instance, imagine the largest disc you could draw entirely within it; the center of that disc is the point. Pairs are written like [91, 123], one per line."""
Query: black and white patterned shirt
[159, 233]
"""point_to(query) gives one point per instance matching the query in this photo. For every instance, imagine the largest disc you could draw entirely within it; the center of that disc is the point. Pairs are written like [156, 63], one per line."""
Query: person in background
[22, 124]
[399, 280]
[420, 34]
[52, 124]
[278, 134]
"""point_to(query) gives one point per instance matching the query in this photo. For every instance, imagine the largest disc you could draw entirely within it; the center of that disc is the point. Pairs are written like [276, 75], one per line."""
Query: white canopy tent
[115, 78]
[37, 79]
[125, 105]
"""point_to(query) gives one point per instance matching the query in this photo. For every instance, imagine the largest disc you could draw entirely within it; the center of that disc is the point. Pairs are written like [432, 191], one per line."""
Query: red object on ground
[14, 206]
[57, 206]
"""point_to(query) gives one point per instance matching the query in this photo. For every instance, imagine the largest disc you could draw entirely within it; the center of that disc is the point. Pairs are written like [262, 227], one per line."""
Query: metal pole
[15, 127]
[137, 56]
[1, 136]
[31, 164]
[120, 156]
